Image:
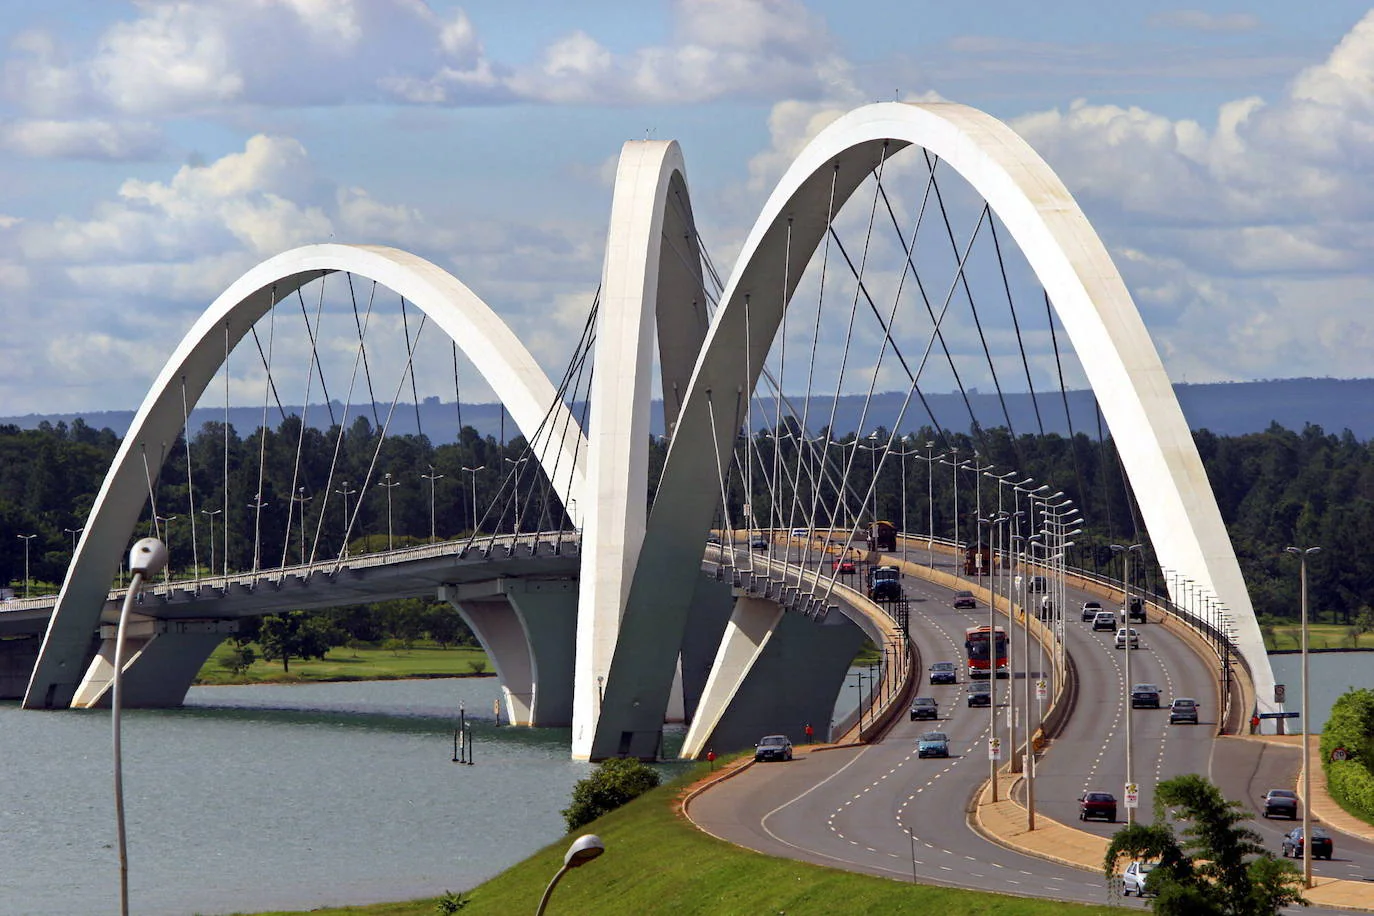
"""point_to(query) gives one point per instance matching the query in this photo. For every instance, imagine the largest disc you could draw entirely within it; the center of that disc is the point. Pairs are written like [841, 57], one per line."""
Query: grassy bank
[363, 663]
[656, 862]
[1319, 636]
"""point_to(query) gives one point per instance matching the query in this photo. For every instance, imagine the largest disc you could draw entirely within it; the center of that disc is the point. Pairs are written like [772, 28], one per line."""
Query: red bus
[976, 644]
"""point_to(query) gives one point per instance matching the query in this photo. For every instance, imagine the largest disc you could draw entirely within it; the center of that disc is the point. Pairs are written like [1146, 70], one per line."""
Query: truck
[884, 583]
[882, 536]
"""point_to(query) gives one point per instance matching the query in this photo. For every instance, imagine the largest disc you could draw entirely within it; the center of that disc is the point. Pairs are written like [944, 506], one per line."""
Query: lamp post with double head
[73, 532]
[166, 522]
[301, 498]
[515, 464]
[1126, 551]
[26, 538]
[210, 514]
[345, 491]
[473, 472]
[257, 505]
[390, 485]
[432, 477]
[1302, 554]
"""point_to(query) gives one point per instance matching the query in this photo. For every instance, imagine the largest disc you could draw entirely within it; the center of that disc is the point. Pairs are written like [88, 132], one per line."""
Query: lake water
[1331, 674]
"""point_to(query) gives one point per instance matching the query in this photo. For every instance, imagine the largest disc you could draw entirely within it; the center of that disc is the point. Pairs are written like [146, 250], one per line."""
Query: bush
[1351, 726]
[612, 784]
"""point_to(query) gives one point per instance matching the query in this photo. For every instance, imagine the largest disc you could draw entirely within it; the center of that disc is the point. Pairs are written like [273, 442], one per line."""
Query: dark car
[1321, 843]
[1097, 804]
[1104, 620]
[1090, 610]
[933, 744]
[1145, 695]
[1183, 709]
[924, 708]
[758, 544]
[1281, 803]
[964, 599]
[944, 673]
[773, 747]
[845, 567]
[980, 694]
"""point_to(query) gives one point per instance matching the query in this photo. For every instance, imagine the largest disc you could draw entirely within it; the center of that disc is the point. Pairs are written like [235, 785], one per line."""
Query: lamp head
[583, 850]
[148, 556]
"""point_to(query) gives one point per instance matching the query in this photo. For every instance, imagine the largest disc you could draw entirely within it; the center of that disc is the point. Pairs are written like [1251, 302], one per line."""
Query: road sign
[1279, 691]
[1042, 690]
[1132, 795]
[1279, 715]
[994, 748]
[1339, 754]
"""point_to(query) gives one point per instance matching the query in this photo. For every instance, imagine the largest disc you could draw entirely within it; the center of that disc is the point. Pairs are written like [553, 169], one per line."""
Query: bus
[976, 645]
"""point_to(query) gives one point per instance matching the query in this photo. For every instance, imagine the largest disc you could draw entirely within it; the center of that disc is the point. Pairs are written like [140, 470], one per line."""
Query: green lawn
[1319, 636]
[656, 862]
[353, 664]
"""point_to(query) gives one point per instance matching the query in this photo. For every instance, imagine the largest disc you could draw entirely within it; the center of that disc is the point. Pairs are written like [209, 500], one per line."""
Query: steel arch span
[491, 346]
[1092, 303]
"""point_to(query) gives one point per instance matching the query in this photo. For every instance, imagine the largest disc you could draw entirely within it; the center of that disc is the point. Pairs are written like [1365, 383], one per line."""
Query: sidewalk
[1004, 822]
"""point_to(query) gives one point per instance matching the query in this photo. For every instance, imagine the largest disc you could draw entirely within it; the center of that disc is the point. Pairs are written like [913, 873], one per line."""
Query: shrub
[1351, 726]
[477, 665]
[613, 783]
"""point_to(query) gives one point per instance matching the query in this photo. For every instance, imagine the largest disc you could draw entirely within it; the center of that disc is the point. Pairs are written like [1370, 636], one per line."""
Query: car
[1322, 846]
[758, 544]
[1281, 803]
[1046, 607]
[924, 708]
[713, 539]
[1145, 695]
[1133, 879]
[980, 693]
[1121, 638]
[1136, 611]
[845, 567]
[773, 747]
[964, 599]
[1090, 610]
[1033, 584]
[932, 744]
[1105, 620]
[1097, 804]
[944, 673]
[1183, 709]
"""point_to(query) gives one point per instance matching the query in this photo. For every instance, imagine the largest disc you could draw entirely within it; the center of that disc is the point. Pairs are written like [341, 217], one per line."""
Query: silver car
[1133, 878]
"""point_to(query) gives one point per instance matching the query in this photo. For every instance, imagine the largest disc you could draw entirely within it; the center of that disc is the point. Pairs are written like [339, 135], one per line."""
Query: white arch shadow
[496, 352]
[1086, 290]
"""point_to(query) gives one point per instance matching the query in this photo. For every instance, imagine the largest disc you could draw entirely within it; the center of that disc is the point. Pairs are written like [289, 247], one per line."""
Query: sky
[154, 151]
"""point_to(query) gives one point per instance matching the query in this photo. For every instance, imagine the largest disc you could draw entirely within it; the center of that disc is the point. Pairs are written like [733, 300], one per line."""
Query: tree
[613, 783]
[239, 659]
[1217, 867]
[295, 634]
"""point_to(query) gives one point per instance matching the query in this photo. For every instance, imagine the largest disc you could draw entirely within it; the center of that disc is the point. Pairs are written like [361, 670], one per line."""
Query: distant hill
[1231, 409]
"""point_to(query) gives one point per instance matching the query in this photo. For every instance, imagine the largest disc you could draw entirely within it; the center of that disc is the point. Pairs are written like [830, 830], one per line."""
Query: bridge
[908, 246]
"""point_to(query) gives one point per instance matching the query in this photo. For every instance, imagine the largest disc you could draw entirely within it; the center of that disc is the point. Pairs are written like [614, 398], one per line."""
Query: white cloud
[88, 139]
[1202, 21]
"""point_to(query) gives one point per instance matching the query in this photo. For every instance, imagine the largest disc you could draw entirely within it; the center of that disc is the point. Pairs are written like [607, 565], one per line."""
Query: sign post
[1042, 690]
[1132, 795]
[995, 749]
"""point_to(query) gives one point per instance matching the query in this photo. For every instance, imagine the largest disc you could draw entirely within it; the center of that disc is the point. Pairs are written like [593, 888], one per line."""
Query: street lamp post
[1302, 554]
[390, 485]
[26, 538]
[211, 515]
[473, 472]
[515, 485]
[145, 559]
[431, 477]
[74, 532]
[583, 850]
[345, 492]
[993, 523]
[257, 505]
[1126, 552]
[301, 498]
[167, 532]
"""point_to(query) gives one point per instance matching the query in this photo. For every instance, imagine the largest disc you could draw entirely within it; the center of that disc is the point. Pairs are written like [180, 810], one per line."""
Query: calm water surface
[1331, 674]
[272, 797]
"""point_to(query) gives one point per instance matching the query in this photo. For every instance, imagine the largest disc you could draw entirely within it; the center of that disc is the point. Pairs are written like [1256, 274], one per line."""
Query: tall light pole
[473, 472]
[930, 459]
[993, 523]
[390, 485]
[583, 850]
[257, 505]
[1302, 554]
[211, 515]
[345, 492]
[146, 558]
[167, 533]
[515, 484]
[1126, 552]
[26, 538]
[73, 532]
[301, 498]
[1028, 769]
[431, 477]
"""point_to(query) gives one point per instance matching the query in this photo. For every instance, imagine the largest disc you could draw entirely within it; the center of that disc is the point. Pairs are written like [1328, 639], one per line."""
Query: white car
[1121, 638]
[1133, 878]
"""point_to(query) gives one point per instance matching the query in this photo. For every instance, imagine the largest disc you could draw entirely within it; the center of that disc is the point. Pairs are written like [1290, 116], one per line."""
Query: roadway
[881, 810]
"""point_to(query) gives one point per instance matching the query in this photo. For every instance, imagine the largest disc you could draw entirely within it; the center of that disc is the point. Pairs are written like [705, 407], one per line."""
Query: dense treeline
[1274, 489]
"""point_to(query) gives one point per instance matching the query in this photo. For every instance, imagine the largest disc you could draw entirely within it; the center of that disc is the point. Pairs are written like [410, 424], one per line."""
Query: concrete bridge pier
[774, 673]
[17, 658]
[162, 659]
[528, 628]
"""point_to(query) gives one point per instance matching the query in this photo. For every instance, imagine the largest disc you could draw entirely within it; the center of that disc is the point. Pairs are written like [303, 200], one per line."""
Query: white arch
[485, 339]
[1084, 286]
[651, 281]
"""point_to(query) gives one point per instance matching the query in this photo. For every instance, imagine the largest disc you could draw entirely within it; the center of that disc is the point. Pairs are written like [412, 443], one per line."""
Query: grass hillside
[657, 862]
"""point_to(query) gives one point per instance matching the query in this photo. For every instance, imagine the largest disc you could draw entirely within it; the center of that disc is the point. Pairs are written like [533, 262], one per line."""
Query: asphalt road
[882, 810]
